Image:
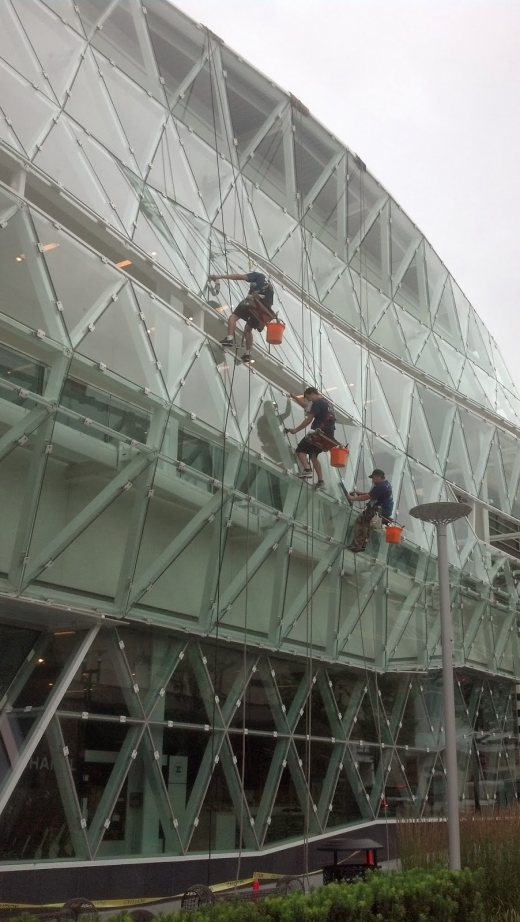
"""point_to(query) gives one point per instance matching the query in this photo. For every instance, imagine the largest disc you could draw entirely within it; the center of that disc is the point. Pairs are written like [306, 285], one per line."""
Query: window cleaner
[256, 309]
[319, 414]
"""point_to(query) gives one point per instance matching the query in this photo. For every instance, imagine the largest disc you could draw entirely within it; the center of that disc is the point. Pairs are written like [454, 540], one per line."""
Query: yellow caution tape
[142, 901]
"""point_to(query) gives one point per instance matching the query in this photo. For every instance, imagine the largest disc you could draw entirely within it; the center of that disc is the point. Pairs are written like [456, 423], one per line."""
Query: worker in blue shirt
[255, 309]
[380, 501]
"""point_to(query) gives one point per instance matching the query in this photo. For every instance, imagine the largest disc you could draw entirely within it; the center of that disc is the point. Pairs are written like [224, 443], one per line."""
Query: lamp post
[441, 514]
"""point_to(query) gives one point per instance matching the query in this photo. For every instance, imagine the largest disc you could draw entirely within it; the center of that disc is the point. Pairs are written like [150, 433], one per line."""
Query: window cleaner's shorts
[310, 447]
[255, 315]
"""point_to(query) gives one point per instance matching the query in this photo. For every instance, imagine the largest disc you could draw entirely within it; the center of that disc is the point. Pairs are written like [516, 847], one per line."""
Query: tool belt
[258, 310]
[322, 441]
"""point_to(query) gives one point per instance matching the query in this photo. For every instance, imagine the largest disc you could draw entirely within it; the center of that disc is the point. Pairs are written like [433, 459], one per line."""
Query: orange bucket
[274, 333]
[338, 456]
[393, 534]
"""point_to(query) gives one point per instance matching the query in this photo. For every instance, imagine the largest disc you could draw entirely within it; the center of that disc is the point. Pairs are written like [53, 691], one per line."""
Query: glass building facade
[191, 662]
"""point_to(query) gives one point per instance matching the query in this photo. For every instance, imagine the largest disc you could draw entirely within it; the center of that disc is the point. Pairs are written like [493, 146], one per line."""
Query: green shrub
[414, 896]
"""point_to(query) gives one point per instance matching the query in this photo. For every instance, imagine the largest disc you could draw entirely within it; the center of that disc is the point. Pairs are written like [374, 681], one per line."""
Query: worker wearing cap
[379, 500]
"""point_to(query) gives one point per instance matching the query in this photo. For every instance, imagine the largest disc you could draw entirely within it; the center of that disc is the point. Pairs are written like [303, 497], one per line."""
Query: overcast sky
[427, 92]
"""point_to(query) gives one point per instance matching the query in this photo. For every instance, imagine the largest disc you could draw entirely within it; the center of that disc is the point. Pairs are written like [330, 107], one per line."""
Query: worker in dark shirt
[320, 415]
[255, 309]
[380, 501]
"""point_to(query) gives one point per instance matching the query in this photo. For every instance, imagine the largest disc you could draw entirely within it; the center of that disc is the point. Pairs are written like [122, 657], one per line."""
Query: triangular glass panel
[414, 725]
[352, 361]
[510, 460]
[481, 651]
[274, 224]
[9, 136]
[420, 444]
[257, 706]
[378, 417]
[305, 326]
[322, 215]
[170, 172]
[427, 485]
[91, 12]
[446, 323]
[58, 50]
[198, 109]
[65, 10]
[313, 152]
[266, 168]
[404, 238]
[367, 728]
[293, 259]
[102, 684]
[494, 489]
[507, 406]
[406, 629]
[372, 302]
[237, 220]
[487, 383]
[287, 820]
[388, 334]
[91, 106]
[121, 194]
[415, 333]
[177, 44]
[204, 395]
[213, 175]
[431, 690]
[363, 195]
[35, 821]
[92, 282]
[63, 159]
[26, 294]
[334, 385]
[29, 112]
[154, 236]
[173, 340]
[397, 388]
[475, 345]
[17, 51]
[124, 40]
[191, 236]
[252, 606]
[368, 257]
[326, 267]
[501, 371]
[121, 343]
[54, 652]
[217, 827]
[182, 580]
[411, 290]
[348, 795]
[416, 531]
[397, 798]
[242, 83]
[96, 542]
[454, 360]
[430, 360]
[342, 301]
[141, 117]
[477, 435]
[436, 275]
[458, 469]
[470, 386]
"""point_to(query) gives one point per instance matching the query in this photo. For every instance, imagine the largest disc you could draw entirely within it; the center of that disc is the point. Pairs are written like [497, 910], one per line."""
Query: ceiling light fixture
[20, 258]
[123, 263]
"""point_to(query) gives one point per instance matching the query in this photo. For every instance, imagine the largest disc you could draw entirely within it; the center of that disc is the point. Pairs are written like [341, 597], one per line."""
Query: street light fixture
[441, 515]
